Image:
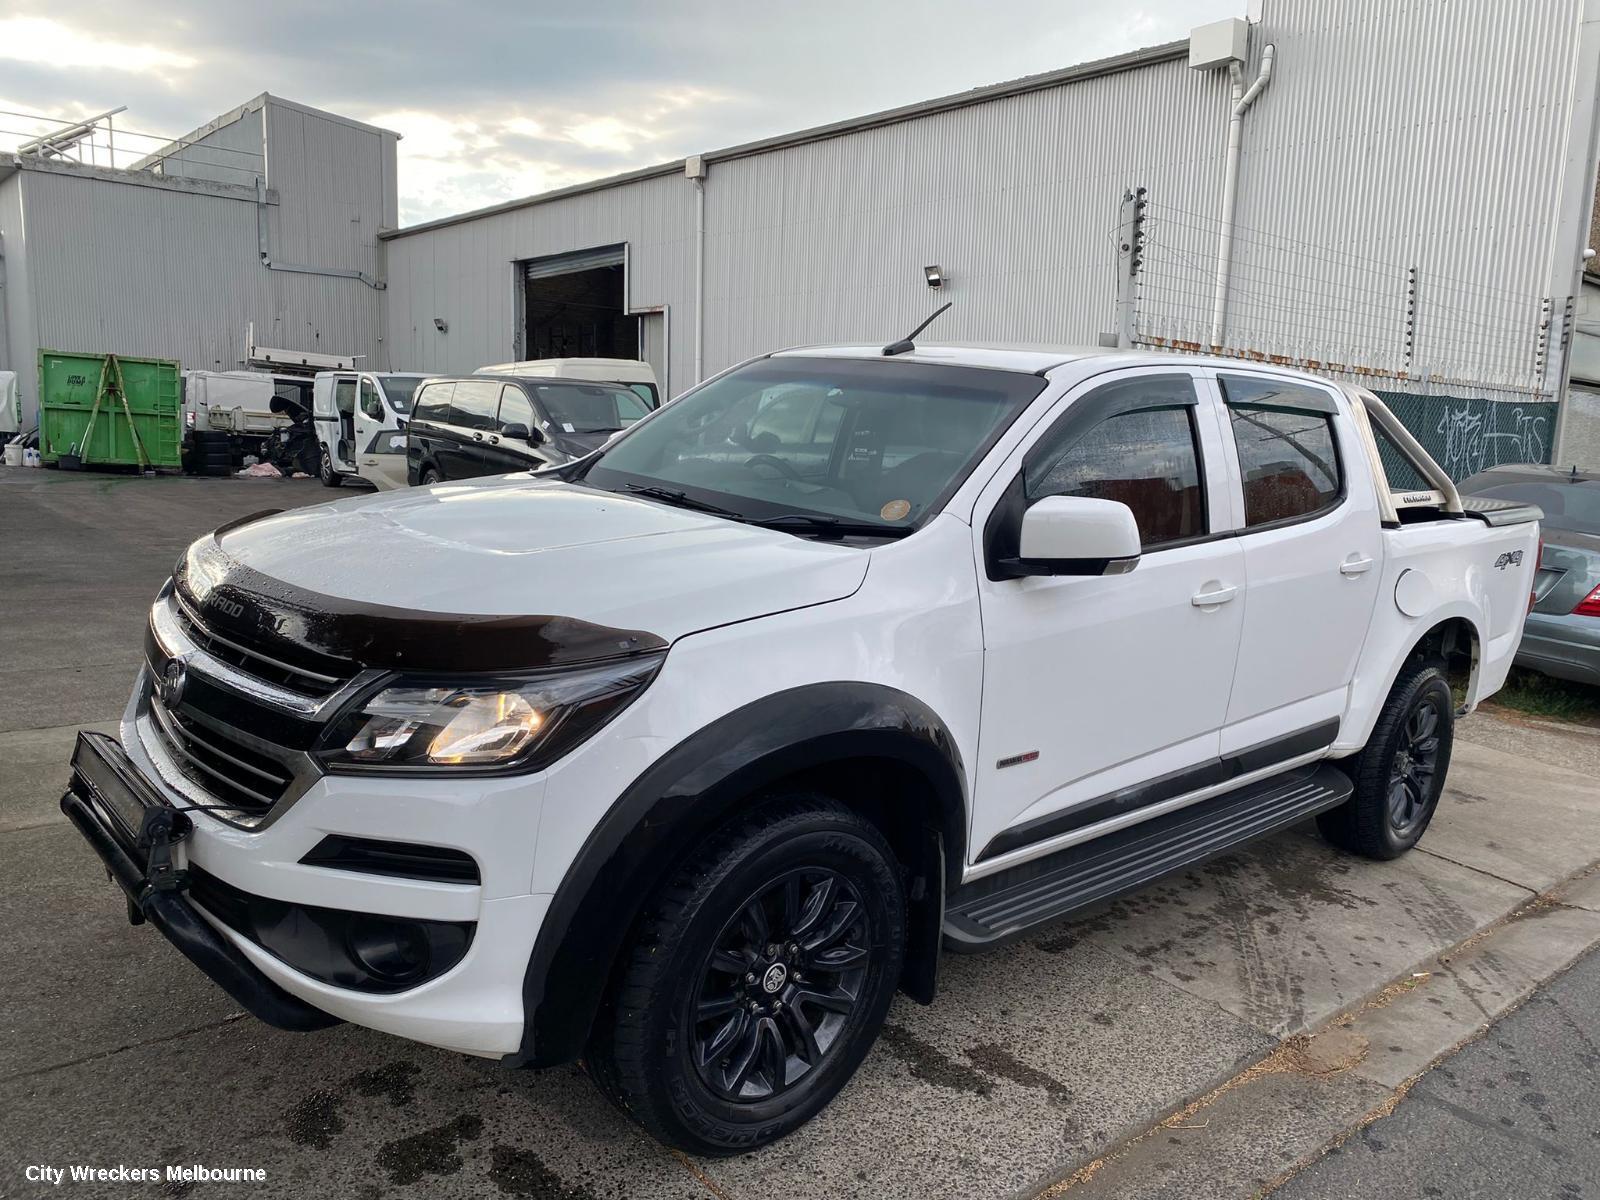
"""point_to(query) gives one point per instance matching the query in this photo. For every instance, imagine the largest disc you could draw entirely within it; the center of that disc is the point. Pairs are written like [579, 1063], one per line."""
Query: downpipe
[699, 278]
[1242, 100]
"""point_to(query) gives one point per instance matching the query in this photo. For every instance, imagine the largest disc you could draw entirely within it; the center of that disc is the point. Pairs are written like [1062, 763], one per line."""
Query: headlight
[527, 721]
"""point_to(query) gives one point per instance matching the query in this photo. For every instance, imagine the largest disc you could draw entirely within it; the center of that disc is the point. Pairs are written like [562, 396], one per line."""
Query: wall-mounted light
[935, 276]
[441, 325]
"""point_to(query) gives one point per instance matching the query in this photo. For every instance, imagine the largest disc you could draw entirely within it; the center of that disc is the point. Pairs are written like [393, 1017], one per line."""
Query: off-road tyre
[1376, 822]
[656, 1063]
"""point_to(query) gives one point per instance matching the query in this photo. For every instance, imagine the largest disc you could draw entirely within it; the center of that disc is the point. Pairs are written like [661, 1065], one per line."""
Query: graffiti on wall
[1466, 435]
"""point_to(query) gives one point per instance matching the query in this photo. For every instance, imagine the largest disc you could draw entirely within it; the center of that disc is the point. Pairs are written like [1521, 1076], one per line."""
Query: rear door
[1312, 539]
[473, 409]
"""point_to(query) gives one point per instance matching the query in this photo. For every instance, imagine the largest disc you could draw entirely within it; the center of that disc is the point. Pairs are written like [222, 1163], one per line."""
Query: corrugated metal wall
[466, 275]
[16, 313]
[174, 270]
[1395, 134]
[151, 271]
[331, 202]
[1016, 199]
[233, 153]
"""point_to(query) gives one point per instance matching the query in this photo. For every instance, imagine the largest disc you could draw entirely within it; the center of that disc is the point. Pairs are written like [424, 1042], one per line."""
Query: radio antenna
[905, 345]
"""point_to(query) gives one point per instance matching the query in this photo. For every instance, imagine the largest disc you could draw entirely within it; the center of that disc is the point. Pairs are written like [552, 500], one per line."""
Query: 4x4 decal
[1511, 558]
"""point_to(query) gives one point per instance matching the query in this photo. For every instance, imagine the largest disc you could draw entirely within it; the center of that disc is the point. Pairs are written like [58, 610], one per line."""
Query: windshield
[647, 393]
[590, 407]
[873, 441]
[399, 389]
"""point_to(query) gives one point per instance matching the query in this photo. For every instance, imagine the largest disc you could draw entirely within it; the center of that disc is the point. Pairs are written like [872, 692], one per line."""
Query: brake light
[1589, 606]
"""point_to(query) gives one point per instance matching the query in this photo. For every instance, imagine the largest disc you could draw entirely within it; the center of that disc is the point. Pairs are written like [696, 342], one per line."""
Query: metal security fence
[1470, 434]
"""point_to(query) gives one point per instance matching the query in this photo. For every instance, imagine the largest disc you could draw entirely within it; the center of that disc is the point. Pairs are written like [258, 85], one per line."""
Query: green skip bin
[105, 410]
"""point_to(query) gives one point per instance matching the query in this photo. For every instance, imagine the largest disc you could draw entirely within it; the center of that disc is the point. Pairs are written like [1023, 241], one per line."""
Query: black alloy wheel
[1399, 774]
[1415, 763]
[757, 977]
[779, 985]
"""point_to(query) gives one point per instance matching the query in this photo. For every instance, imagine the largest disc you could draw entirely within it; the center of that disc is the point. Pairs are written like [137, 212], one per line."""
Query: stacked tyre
[211, 453]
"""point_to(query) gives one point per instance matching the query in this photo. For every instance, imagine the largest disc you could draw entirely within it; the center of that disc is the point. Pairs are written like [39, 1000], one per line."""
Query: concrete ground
[1074, 1059]
[1485, 1122]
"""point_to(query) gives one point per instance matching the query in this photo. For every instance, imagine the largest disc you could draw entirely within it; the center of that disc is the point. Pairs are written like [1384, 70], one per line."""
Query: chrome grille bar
[175, 738]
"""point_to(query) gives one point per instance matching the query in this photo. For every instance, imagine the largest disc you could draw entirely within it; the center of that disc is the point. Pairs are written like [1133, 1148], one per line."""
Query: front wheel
[1399, 774]
[757, 980]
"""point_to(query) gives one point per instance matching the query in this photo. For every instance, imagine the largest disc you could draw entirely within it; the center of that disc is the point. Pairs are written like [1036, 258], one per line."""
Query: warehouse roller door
[575, 306]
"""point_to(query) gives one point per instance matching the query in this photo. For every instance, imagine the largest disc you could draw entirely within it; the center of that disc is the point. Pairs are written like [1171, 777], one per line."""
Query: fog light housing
[391, 950]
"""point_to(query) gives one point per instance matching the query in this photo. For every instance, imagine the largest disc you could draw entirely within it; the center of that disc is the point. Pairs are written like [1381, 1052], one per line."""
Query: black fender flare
[688, 791]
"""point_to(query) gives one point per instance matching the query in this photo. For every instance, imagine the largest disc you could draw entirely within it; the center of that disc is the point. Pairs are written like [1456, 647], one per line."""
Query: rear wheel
[430, 475]
[1399, 774]
[325, 471]
[757, 980]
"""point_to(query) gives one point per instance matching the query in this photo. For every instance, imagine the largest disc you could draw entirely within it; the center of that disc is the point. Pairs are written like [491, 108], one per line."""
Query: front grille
[297, 677]
[219, 765]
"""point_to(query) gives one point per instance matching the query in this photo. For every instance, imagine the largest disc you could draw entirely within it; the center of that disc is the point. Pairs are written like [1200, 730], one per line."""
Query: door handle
[1355, 565]
[1210, 599]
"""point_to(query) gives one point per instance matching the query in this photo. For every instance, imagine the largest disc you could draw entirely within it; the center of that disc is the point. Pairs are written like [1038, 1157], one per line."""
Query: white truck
[361, 426]
[683, 757]
[228, 415]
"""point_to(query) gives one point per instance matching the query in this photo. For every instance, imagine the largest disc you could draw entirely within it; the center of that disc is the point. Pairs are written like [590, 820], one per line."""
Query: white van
[361, 422]
[629, 372]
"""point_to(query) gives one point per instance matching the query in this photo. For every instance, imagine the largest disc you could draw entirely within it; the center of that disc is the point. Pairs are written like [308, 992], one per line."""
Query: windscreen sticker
[895, 510]
[567, 425]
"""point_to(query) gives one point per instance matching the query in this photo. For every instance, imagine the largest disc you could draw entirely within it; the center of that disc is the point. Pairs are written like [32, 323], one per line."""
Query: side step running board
[991, 911]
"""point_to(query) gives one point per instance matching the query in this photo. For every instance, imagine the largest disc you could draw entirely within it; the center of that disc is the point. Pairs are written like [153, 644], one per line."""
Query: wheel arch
[879, 750]
[1451, 633]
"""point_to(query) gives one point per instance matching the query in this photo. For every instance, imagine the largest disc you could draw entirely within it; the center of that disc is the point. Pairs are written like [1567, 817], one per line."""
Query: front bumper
[105, 792]
[475, 1007]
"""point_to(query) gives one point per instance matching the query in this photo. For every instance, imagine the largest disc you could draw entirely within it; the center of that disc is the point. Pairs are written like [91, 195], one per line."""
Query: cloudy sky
[501, 98]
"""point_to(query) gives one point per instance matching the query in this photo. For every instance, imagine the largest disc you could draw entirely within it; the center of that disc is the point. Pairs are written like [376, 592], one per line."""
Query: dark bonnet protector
[236, 600]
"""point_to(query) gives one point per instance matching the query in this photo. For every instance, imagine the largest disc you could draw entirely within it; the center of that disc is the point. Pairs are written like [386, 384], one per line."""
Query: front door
[380, 445]
[506, 453]
[1104, 695]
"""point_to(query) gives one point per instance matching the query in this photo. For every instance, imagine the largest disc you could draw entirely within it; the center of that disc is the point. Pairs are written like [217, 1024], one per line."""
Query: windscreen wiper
[681, 499]
[831, 526]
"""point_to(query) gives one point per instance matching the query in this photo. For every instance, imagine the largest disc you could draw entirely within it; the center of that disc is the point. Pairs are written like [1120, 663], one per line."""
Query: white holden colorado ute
[680, 759]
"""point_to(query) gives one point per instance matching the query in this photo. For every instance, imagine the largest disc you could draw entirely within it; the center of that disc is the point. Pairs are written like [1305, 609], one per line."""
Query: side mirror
[520, 432]
[1077, 535]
